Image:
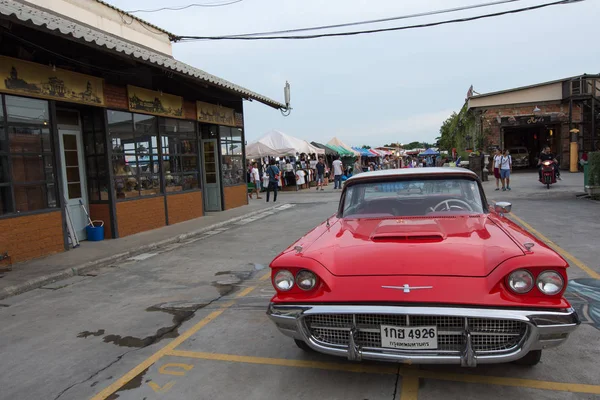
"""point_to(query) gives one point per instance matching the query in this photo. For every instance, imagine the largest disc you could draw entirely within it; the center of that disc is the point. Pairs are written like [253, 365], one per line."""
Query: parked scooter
[548, 173]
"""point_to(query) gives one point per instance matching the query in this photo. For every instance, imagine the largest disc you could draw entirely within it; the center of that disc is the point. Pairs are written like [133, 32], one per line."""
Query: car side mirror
[502, 207]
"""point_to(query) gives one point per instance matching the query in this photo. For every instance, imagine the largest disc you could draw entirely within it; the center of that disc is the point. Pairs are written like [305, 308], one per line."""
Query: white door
[73, 173]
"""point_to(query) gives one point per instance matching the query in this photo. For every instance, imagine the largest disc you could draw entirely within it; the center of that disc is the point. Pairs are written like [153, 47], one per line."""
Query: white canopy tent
[337, 142]
[260, 150]
[286, 145]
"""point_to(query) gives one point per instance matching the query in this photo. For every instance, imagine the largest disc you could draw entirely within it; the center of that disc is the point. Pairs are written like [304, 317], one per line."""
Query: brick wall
[184, 206]
[235, 196]
[189, 110]
[116, 96]
[140, 215]
[102, 212]
[32, 236]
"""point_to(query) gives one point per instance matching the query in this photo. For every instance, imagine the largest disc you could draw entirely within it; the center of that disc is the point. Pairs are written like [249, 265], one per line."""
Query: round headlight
[520, 281]
[550, 282]
[284, 280]
[306, 280]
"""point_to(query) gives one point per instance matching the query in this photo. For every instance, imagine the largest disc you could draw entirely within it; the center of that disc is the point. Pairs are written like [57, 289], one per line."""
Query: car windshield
[413, 197]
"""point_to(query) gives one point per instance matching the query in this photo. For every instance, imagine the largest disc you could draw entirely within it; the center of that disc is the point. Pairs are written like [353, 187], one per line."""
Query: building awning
[91, 36]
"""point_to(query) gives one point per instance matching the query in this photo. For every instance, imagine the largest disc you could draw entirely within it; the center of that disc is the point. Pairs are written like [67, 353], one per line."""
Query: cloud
[419, 127]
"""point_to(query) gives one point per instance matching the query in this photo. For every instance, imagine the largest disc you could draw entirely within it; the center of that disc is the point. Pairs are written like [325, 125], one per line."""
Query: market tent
[328, 150]
[429, 152]
[337, 142]
[288, 145]
[363, 152]
[260, 150]
[341, 151]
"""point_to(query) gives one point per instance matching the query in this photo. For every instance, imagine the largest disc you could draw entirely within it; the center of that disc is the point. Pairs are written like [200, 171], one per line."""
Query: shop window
[95, 154]
[179, 147]
[27, 176]
[135, 158]
[232, 162]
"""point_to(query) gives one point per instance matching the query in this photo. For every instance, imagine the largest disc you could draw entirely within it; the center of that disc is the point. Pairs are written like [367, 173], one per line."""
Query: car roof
[408, 172]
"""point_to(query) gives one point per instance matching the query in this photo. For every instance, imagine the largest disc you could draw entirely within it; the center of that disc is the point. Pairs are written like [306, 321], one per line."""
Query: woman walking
[497, 158]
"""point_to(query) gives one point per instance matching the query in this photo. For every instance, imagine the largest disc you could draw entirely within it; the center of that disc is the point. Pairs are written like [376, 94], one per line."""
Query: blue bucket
[95, 233]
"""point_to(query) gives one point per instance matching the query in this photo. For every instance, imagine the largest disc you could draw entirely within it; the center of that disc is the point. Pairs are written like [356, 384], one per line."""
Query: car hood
[444, 246]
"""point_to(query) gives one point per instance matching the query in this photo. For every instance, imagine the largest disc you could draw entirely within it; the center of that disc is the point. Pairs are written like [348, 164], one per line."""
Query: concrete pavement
[188, 322]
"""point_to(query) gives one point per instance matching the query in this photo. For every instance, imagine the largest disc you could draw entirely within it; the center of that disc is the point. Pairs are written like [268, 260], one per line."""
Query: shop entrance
[212, 180]
[73, 168]
[526, 143]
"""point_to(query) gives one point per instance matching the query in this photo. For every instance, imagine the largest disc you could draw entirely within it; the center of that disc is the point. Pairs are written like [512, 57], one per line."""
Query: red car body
[450, 272]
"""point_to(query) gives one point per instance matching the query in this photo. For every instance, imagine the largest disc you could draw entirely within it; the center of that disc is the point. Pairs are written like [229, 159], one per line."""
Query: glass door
[212, 180]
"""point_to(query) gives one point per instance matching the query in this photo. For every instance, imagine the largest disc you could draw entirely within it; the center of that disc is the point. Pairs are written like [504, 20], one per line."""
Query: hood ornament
[407, 288]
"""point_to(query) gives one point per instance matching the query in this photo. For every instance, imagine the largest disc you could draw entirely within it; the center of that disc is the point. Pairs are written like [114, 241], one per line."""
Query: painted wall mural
[37, 80]
[152, 102]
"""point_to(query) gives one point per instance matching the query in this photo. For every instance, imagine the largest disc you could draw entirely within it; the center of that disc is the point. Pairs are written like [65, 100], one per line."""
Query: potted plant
[593, 186]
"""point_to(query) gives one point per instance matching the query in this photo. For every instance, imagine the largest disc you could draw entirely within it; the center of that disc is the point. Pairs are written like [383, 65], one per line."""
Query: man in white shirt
[337, 173]
[255, 175]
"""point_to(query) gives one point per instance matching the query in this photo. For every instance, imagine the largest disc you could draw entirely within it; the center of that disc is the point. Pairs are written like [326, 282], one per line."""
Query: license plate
[408, 337]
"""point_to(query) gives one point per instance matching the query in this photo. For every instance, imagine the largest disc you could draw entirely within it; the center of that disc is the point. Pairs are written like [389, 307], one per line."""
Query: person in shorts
[505, 170]
[320, 173]
[497, 157]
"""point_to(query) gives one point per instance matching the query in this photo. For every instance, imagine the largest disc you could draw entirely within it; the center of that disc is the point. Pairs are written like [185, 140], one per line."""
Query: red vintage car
[416, 266]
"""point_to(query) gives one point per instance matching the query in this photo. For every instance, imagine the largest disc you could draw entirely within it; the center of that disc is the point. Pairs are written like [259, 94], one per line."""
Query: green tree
[364, 146]
[458, 130]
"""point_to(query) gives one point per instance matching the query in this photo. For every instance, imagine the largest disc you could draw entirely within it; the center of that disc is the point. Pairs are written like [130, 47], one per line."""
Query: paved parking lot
[83, 340]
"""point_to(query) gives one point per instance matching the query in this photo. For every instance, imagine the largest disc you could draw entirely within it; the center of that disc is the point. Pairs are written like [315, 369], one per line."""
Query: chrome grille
[487, 335]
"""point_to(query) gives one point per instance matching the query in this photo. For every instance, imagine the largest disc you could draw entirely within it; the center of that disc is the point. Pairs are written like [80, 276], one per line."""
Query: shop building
[94, 110]
[563, 114]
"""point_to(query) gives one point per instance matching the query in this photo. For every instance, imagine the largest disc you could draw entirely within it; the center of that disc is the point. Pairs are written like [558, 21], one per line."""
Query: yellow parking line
[245, 292]
[265, 276]
[568, 256]
[119, 383]
[514, 382]
[410, 384]
[413, 374]
[365, 368]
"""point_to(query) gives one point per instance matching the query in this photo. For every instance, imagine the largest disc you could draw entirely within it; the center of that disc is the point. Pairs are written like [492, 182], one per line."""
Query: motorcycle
[548, 173]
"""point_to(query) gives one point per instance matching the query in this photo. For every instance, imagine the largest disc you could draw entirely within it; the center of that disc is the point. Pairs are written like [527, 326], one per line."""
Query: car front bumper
[542, 329]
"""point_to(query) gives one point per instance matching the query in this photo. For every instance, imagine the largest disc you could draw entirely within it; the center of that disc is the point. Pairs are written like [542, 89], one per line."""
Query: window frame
[198, 154]
[229, 141]
[43, 153]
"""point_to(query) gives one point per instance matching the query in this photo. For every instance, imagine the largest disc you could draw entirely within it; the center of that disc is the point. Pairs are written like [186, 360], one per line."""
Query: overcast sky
[378, 88]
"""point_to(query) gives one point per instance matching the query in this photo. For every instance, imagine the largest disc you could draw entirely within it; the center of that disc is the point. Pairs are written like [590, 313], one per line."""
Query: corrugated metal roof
[171, 35]
[55, 23]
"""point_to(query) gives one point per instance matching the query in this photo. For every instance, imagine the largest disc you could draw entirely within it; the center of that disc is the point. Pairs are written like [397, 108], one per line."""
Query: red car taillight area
[539, 282]
[295, 280]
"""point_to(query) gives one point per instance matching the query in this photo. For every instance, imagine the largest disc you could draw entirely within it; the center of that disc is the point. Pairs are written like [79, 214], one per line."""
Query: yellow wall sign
[37, 80]
[151, 102]
[213, 114]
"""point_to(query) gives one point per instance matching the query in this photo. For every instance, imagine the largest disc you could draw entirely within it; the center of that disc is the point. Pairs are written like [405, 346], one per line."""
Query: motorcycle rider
[545, 156]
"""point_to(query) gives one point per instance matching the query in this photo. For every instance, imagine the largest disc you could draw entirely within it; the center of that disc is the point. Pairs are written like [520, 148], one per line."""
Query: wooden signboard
[37, 80]
[213, 114]
[155, 103]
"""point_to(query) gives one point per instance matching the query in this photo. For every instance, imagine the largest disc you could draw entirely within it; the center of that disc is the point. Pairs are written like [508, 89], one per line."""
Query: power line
[354, 33]
[186, 7]
[373, 21]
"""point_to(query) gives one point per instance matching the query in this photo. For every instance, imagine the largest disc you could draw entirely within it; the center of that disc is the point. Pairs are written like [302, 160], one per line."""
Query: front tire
[532, 358]
[302, 345]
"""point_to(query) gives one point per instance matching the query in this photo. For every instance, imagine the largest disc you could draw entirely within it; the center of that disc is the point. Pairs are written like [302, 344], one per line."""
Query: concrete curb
[103, 262]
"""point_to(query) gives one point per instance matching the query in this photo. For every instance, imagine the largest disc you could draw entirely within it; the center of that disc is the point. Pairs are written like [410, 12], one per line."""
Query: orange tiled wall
[32, 236]
[184, 206]
[235, 196]
[136, 216]
[102, 212]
